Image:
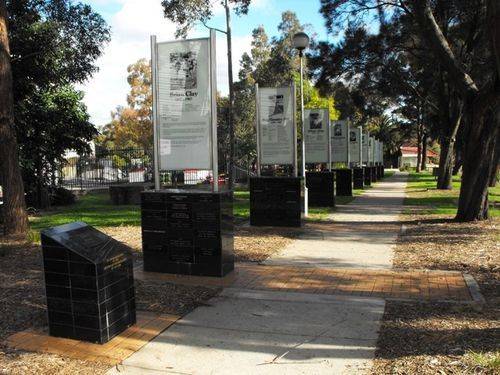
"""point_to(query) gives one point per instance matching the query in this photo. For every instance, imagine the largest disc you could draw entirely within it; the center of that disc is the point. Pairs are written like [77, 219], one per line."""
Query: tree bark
[425, 137]
[444, 181]
[14, 207]
[419, 149]
[482, 135]
[445, 177]
[458, 160]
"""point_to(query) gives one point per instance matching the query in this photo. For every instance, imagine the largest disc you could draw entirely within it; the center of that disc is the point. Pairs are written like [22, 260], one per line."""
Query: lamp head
[300, 41]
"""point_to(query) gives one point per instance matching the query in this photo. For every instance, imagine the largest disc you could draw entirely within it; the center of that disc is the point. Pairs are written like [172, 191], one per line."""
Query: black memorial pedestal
[321, 188]
[368, 175]
[89, 283]
[275, 201]
[188, 232]
[374, 173]
[358, 177]
[343, 182]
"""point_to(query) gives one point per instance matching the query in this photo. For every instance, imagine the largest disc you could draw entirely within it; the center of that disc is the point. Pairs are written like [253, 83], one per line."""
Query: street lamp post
[300, 42]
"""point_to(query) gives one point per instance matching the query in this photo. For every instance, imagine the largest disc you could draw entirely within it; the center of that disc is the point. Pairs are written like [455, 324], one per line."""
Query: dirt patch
[437, 339]
[22, 306]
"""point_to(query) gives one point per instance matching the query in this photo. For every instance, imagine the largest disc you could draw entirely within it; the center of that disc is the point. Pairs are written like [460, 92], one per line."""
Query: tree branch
[432, 32]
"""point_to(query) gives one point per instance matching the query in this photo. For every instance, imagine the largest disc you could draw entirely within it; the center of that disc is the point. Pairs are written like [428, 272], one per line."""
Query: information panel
[365, 154]
[339, 141]
[317, 133]
[183, 105]
[378, 151]
[381, 153]
[276, 125]
[371, 149]
[355, 146]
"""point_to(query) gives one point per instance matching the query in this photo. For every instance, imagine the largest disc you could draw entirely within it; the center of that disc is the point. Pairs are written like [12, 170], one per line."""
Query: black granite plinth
[321, 189]
[123, 194]
[358, 178]
[89, 283]
[379, 172]
[343, 182]
[367, 171]
[374, 173]
[383, 171]
[188, 232]
[275, 201]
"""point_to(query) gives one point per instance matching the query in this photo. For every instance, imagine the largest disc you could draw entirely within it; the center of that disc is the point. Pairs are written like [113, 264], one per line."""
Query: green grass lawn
[422, 191]
[95, 209]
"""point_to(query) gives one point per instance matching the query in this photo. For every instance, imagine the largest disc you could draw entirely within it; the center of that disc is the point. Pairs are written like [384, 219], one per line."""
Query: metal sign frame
[213, 106]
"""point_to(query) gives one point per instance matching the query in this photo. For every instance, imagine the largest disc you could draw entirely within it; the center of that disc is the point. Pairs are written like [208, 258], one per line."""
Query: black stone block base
[188, 232]
[343, 182]
[367, 175]
[321, 189]
[374, 174]
[358, 178]
[124, 194]
[275, 201]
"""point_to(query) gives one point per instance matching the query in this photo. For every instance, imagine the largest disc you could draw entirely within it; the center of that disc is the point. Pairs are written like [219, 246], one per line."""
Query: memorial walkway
[315, 308]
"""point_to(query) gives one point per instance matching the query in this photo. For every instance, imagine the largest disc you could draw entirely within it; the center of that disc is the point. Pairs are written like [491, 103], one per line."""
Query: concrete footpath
[363, 235]
[245, 331]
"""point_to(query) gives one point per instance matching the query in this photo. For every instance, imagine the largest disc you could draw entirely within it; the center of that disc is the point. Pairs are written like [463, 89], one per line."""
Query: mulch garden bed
[251, 244]
[444, 338]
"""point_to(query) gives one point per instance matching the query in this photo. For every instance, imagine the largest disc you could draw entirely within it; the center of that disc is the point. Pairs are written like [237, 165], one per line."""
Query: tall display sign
[340, 141]
[355, 145]
[370, 150]
[317, 136]
[381, 154]
[365, 153]
[184, 105]
[276, 128]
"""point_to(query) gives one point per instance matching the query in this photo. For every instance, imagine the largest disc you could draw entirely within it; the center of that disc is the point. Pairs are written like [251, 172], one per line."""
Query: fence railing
[106, 167]
[116, 166]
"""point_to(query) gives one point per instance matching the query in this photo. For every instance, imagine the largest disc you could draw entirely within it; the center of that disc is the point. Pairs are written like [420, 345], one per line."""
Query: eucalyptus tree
[15, 219]
[462, 37]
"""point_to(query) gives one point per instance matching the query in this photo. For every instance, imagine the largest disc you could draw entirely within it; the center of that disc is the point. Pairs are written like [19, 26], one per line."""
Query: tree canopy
[54, 45]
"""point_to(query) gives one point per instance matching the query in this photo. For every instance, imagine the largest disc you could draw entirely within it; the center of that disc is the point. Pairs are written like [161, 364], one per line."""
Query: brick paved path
[414, 285]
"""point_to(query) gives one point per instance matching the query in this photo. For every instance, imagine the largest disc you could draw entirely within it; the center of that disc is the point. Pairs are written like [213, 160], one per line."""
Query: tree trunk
[444, 181]
[496, 160]
[424, 152]
[479, 157]
[14, 210]
[419, 149]
[458, 160]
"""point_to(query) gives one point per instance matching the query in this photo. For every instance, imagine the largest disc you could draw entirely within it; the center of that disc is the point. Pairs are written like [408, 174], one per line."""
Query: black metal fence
[116, 166]
[106, 167]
